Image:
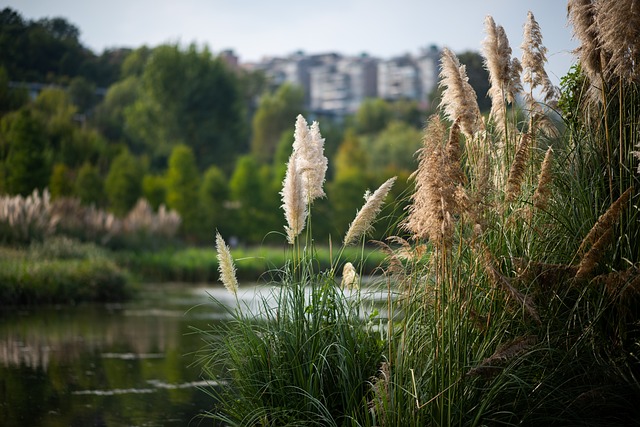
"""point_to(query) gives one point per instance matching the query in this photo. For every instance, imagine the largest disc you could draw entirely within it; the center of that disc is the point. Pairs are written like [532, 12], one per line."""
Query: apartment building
[336, 85]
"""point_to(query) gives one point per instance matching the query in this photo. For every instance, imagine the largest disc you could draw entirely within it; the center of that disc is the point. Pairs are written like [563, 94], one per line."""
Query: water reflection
[113, 365]
[116, 365]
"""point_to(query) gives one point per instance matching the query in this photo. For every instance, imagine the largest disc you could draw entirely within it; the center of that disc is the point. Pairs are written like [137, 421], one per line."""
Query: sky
[255, 29]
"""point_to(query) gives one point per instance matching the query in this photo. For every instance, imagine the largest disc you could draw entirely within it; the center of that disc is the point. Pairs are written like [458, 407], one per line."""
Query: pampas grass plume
[367, 214]
[311, 164]
[458, 97]
[293, 201]
[518, 167]
[225, 265]
[543, 192]
[606, 220]
[349, 277]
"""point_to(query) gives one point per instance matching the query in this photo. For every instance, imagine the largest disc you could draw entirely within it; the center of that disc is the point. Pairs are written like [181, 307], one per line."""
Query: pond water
[129, 364]
[108, 365]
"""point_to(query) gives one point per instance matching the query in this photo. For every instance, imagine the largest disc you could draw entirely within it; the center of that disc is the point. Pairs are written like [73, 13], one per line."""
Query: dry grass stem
[518, 168]
[363, 221]
[490, 366]
[226, 266]
[500, 281]
[581, 14]
[592, 258]
[606, 220]
[543, 190]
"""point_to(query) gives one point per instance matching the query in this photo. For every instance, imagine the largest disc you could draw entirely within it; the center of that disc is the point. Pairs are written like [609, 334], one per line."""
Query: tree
[25, 143]
[189, 96]
[154, 190]
[350, 181]
[247, 190]
[182, 182]
[82, 93]
[61, 182]
[373, 115]
[394, 148]
[123, 182]
[89, 187]
[213, 193]
[110, 117]
[276, 114]
[10, 98]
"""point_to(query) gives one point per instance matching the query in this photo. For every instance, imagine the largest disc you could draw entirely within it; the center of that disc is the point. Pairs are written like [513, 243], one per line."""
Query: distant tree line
[178, 126]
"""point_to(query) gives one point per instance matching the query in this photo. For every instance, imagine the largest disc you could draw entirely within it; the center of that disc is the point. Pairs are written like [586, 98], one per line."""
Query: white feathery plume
[367, 214]
[350, 277]
[293, 200]
[225, 265]
[504, 73]
[458, 97]
[308, 147]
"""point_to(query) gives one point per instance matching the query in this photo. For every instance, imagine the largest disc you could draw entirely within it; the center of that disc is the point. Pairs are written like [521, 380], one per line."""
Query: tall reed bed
[34, 217]
[307, 355]
[511, 295]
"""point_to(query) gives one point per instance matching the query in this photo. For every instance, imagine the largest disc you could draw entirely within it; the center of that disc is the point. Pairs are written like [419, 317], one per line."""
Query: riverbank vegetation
[64, 270]
[512, 280]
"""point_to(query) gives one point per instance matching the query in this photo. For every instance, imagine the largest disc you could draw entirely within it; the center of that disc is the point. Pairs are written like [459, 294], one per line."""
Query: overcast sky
[259, 28]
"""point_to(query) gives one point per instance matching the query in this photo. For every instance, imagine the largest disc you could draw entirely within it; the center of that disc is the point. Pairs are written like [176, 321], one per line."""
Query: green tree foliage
[182, 182]
[154, 190]
[276, 114]
[373, 115]
[10, 98]
[123, 182]
[394, 148]
[24, 143]
[350, 181]
[188, 96]
[89, 187]
[82, 93]
[109, 116]
[49, 50]
[134, 63]
[69, 143]
[61, 182]
[213, 193]
[248, 189]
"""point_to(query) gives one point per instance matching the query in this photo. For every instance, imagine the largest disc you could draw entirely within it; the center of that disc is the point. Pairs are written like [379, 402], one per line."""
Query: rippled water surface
[108, 365]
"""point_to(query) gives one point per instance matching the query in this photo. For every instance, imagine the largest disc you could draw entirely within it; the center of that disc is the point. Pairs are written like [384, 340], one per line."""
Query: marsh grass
[503, 308]
[61, 271]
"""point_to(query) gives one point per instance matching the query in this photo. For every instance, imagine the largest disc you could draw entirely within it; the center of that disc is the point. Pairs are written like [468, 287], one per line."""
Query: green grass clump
[61, 271]
[29, 281]
[306, 360]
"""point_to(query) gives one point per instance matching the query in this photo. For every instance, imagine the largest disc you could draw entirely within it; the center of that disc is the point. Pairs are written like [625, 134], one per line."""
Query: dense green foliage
[49, 50]
[110, 126]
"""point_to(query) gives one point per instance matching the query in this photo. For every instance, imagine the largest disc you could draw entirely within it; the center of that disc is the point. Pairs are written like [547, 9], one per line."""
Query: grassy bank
[65, 271]
[60, 272]
[201, 265]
